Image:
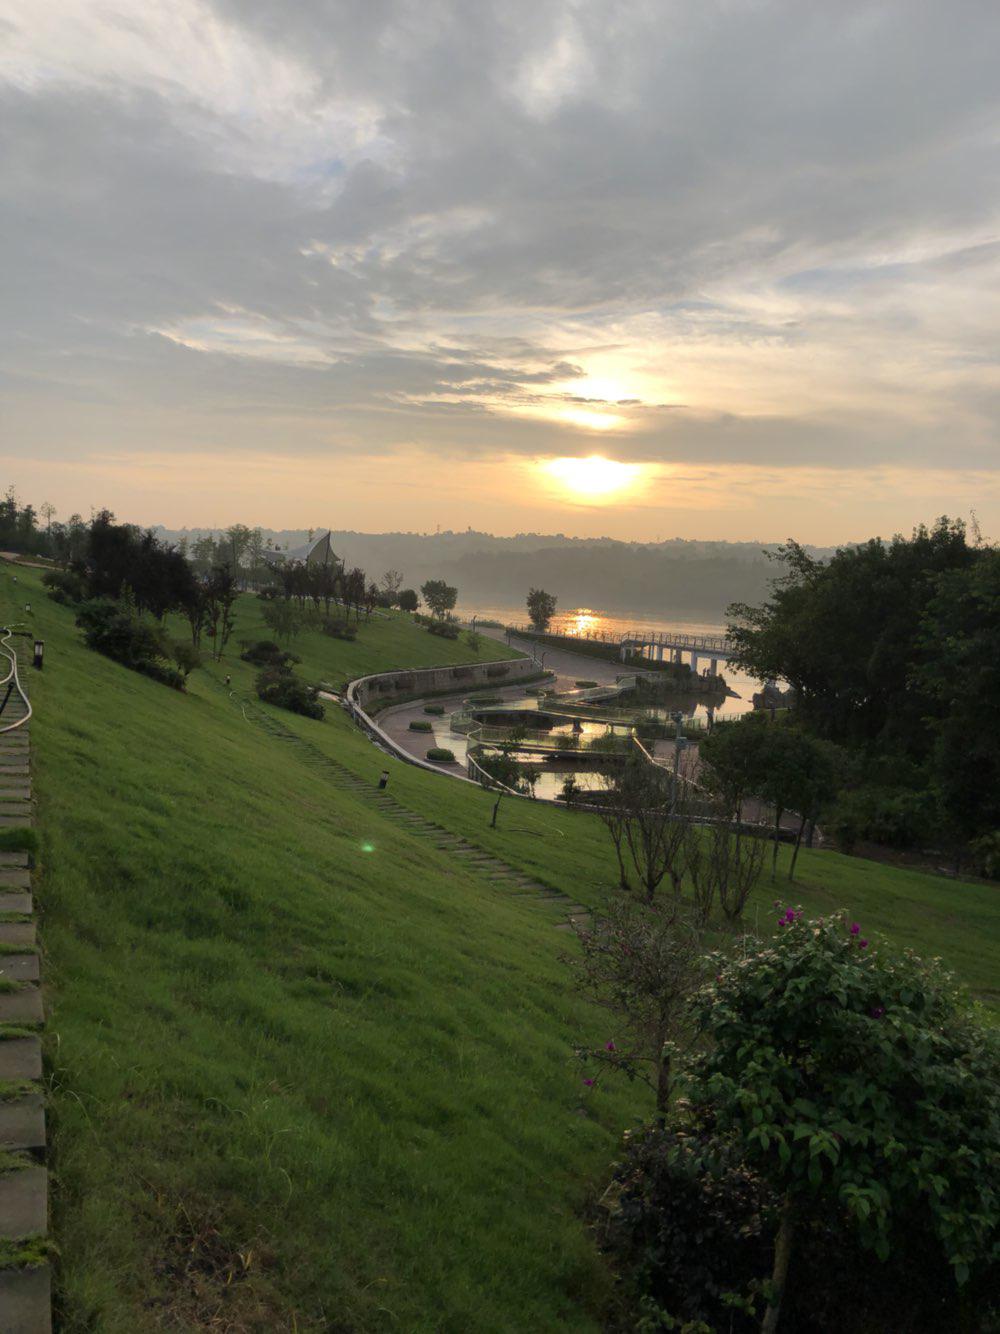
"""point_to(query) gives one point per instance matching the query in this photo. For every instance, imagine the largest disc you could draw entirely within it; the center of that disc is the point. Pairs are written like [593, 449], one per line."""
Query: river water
[583, 621]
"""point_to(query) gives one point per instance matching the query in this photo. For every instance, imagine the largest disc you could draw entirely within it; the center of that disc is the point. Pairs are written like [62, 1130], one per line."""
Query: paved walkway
[25, 1288]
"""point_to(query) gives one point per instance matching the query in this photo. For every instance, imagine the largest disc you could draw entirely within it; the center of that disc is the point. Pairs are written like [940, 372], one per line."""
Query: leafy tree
[845, 634]
[724, 867]
[220, 597]
[474, 640]
[960, 670]
[186, 656]
[856, 1078]
[408, 599]
[541, 609]
[282, 619]
[440, 597]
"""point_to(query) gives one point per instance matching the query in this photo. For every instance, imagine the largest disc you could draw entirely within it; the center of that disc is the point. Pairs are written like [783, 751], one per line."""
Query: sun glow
[594, 478]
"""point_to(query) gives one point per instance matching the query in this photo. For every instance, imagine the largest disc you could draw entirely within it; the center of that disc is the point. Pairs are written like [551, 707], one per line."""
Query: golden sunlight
[594, 478]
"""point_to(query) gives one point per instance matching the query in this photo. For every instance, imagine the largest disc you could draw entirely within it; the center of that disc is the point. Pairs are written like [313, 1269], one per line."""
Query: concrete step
[24, 1202]
[19, 903]
[26, 1300]
[17, 933]
[13, 859]
[19, 967]
[20, 1058]
[14, 877]
[21, 1007]
[22, 1126]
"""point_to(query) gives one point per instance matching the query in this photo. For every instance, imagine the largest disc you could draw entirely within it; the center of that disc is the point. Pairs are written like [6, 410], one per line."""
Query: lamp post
[39, 654]
[383, 781]
[27, 606]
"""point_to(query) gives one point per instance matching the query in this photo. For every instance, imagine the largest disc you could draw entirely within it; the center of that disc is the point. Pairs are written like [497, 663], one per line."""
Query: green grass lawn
[297, 1084]
[389, 639]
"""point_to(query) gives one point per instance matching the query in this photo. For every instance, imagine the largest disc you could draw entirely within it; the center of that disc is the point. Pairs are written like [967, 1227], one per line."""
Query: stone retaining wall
[386, 686]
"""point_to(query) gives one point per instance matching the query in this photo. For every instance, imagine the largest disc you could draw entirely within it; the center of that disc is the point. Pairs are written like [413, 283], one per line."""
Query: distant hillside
[650, 577]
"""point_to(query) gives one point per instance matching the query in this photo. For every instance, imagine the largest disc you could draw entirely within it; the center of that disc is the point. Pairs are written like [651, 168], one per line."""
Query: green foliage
[856, 1076]
[113, 629]
[66, 586]
[474, 640]
[439, 596]
[266, 653]
[186, 656]
[282, 618]
[440, 754]
[408, 599]
[436, 710]
[443, 629]
[541, 609]
[278, 686]
[337, 627]
[420, 725]
[585, 685]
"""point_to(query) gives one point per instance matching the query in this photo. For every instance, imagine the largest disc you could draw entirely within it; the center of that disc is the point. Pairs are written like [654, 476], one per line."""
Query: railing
[626, 638]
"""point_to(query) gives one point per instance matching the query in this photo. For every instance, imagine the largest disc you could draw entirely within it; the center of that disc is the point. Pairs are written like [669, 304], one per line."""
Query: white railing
[12, 678]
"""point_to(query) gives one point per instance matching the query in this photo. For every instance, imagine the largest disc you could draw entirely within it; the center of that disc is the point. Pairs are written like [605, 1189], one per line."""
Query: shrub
[898, 818]
[420, 725]
[986, 855]
[445, 629]
[65, 586]
[110, 628]
[408, 599]
[186, 656]
[281, 688]
[586, 685]
[482, 700]
[688, 1222]
[850, 1076]
[337, 628]
[440, 755]
[266, 653]
[436, 709]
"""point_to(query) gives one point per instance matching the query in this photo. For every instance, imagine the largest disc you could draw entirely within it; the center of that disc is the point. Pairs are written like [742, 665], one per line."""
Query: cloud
[761, 234]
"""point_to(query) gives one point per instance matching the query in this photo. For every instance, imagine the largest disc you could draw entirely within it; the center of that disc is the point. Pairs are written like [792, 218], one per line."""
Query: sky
[378, 265]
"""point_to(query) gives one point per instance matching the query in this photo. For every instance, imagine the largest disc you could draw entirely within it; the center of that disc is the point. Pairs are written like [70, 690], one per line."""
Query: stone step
[15, 821]
[14, 877]
[21, 1007]
[17, 933]
[12, 808]
[19, 903]
[22, 1126]
[14, 793]
[24, 1201]
[19, 858]
[26, 1300]
[19, 967]
[20, 1058]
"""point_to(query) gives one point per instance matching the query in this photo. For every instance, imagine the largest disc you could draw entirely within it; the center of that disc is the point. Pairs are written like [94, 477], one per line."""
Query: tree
[541, 609]
[641, 813]
[439, 597]
[408, 599]
[641, 963]
[47, 510]
[186, 656]
[724, 867]
[283, 619]
[855, 1079]
[474, 640]
[391, 582]
[220, 596]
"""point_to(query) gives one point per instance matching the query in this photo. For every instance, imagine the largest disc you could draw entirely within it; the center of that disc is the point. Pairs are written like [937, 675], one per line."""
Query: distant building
[316, 552]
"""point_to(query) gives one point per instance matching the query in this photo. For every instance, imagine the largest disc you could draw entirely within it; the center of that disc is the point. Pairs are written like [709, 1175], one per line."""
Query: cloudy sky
[388, 265]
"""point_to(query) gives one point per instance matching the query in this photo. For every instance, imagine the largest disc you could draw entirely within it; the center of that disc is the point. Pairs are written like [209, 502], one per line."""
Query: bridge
[651, 645]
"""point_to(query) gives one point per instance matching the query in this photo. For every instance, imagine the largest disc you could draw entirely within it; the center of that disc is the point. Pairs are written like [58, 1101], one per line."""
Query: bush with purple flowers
[857, 1078]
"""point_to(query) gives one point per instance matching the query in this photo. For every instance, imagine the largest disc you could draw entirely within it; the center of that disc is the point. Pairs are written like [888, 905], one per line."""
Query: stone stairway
[25, 1279]
[477, 860]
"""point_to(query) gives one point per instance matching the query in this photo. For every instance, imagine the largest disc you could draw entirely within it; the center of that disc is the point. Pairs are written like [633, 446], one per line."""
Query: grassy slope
[353, 1066]
[387, 640]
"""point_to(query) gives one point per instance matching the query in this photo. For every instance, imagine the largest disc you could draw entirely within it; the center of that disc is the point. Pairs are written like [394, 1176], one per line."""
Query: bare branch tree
[647, 824]
[641, 962]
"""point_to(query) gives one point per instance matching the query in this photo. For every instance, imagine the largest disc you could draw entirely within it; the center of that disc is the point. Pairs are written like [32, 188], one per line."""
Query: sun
[594, 478]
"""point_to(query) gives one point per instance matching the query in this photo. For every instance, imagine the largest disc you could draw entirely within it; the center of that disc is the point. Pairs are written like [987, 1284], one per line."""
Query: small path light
[39, 654]
[383, 781]
[27, 606]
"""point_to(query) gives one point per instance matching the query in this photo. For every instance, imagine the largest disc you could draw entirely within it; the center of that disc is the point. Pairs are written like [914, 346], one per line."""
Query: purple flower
[610, 1045]
[589, 1083]
[862, 944]
[878, 1011]
[855, 928]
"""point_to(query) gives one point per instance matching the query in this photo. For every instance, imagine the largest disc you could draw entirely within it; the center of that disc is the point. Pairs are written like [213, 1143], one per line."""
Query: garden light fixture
[39, 654]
